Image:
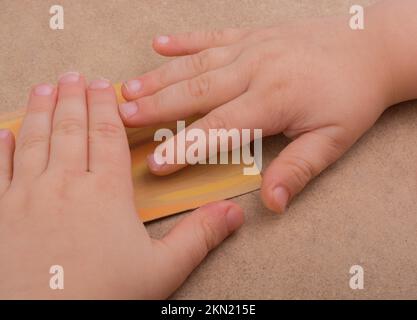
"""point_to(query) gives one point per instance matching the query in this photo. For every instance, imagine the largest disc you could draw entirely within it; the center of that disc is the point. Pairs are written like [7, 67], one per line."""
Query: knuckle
[337, 142]
[156, 102]
[302, 169]
[163, 73]
[198, 62]
[64, 182]
[106, 130]
[108, 183]
[216, 35]
[5, 173]
[333, 143]
[38, 108]
[190, 36]
[199, 86]
[67, 176]
[252, 61]
[31, 140]
[69, 126]
[215, 120]
[208, 234]
[233, 32]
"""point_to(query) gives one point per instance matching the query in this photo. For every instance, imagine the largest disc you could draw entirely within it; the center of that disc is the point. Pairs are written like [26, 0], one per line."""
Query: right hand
[66, 198]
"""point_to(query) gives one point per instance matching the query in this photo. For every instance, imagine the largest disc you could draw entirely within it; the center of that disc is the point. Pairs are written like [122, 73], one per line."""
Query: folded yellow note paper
[158, 197]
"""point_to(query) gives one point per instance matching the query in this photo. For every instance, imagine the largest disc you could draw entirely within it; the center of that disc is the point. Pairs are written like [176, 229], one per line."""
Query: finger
[189, 97]
[193, 42]
[69, 133]
[188, 243]
[108, 146]
[240, 113]
[6, 159]
[33, 142]
[297, 164]
[177, 70]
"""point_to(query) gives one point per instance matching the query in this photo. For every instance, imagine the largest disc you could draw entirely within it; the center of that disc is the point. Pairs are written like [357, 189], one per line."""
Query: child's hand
[319, 82]
[66, 199]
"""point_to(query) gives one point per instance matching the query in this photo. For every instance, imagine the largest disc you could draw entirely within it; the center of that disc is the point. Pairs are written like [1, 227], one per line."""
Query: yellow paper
[191, 187]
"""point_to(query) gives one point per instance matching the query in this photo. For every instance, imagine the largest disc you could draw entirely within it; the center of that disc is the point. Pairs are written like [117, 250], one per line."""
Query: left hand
[310, 80]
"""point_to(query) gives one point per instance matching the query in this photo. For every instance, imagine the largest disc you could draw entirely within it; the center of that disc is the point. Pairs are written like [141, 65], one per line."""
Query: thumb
[188, 243]
[297, 164]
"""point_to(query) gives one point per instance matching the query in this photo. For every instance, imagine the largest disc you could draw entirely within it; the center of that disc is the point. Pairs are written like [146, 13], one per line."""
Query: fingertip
[162, 40]
[100, 92]
[165, 169]
[99, 84]
[127, 111]
[125, 93]
[169, 46]
[43, 89]
[153, 166]
[162, 43]
[275, 198]
[42, 96]
[228, 210]
[71, 84]
[6, 136]
[234, 217]
[160, 167]
[132, 89]
[70, 77]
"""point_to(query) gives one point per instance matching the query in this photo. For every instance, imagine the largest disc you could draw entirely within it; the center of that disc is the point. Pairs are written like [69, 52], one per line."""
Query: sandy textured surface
[362, 210]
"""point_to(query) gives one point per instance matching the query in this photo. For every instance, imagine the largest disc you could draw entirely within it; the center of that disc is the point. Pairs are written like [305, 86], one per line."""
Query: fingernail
[281, 197]
[128, 109]
[43, 90]
[162, 39]
[133, 86]
[69, 77]
[4, 133]
[152, 163]
[99, 84]
[234, 218]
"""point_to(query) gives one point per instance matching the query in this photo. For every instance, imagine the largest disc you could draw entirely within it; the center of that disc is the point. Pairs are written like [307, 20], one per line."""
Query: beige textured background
[362, 210]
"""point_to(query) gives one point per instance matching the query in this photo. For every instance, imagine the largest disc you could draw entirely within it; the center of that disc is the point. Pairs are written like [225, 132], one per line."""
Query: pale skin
[319, 82]
[65, 189]
[66, 199]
